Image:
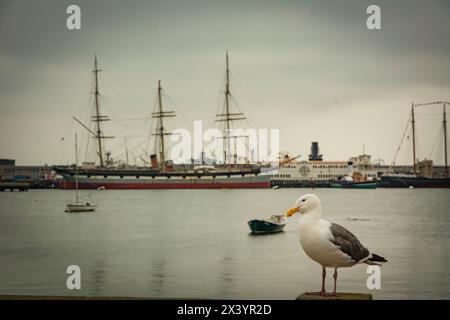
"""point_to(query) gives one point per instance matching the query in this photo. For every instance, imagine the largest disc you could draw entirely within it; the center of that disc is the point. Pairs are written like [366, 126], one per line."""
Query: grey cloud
[298, 56]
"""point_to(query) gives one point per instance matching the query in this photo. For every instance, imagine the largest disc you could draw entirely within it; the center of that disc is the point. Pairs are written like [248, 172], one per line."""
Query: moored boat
[163, 173]
[272, 224]
[175, 180]
[354, 185]
[317, 173]
[404, 181]
[422, 171]
[77, 205]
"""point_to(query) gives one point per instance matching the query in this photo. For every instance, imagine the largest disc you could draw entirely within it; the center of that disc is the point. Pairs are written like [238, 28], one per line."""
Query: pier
[14, 186]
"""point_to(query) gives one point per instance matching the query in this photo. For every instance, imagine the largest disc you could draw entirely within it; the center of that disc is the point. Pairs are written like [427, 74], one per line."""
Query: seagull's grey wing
[348, 242]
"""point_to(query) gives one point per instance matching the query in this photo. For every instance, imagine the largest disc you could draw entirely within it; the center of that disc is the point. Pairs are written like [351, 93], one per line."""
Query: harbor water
[196, 243]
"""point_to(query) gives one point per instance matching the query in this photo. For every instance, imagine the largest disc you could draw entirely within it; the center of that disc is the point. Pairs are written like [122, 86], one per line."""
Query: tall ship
[421, 175]
[162, 173]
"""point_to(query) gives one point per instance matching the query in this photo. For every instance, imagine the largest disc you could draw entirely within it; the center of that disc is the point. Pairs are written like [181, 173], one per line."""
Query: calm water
[196, 243]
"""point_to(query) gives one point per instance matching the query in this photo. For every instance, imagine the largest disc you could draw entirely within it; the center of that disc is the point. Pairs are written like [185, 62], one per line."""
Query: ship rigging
[412, 121]
[162, 174]
[420, 177]
[228, 117]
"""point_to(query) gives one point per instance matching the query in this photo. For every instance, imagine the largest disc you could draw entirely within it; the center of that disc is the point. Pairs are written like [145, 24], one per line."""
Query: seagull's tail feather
[374, 259]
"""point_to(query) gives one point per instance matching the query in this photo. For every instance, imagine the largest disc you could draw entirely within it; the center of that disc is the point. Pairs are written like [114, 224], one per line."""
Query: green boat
[272, 224]
[354, 185]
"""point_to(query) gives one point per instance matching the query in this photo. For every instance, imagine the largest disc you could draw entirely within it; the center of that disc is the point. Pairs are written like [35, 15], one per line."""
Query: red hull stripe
[136, 186]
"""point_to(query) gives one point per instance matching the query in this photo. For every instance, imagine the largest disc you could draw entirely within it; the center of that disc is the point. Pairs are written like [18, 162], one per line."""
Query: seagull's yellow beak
[292, 211]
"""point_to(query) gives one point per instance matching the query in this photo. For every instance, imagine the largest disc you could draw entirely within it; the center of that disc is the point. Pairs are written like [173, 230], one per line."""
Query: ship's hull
[80, 207]
[232, 182]
[300, 184]
[411, 182]
[354, 185]
[260, 226]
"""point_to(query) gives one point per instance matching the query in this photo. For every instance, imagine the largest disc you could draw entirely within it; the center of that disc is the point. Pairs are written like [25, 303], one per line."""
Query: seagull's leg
[324, 274]
[332, 294]
[322, 291]
[335, 281]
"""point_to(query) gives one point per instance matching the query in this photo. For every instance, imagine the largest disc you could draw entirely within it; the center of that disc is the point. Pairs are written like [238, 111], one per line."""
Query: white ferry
[319, 173]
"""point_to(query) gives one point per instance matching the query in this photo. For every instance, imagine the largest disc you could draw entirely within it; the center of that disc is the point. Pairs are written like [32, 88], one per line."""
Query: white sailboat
[78, 205]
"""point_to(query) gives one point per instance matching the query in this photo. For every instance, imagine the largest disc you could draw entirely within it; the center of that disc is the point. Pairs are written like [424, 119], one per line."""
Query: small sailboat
[78, 205]
[272, 224]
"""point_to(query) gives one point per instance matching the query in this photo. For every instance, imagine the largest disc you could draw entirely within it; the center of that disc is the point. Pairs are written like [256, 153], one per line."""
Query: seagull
[329, 244]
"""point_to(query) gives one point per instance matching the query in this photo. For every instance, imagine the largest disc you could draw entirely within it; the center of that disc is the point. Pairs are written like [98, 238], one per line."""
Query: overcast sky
[318, 73]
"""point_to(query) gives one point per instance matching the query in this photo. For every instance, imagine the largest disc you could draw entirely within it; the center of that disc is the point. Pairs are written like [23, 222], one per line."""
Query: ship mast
[126, 151]
[227, 110]
[444, 121]
[160, 114]
[98, 118]
[228, 117]
[413, 122]
[76, 167]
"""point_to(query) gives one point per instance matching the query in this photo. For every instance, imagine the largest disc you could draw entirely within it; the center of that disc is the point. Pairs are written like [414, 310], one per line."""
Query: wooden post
[339, 296]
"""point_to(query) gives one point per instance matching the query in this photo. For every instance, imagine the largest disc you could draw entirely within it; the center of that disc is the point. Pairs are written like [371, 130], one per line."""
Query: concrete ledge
[303, 296]
[339, 296]
[38, 297]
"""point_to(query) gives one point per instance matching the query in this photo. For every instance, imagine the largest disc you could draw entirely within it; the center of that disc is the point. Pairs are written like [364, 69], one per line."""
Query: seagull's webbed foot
[329, 294]
[322, 293]
[317, 293]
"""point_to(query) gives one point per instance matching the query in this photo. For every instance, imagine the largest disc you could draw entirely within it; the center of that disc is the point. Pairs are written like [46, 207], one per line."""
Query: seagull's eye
[303, 200]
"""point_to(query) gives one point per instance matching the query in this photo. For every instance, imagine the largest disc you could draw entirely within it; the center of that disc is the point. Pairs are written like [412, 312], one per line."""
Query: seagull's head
[305, 204]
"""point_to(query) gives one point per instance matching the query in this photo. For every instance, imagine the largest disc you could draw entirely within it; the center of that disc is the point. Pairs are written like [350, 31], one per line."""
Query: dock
[69, 298]
[14, 186]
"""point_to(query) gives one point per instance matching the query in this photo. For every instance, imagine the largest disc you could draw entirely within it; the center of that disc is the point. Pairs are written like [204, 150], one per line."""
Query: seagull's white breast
[315, 236]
